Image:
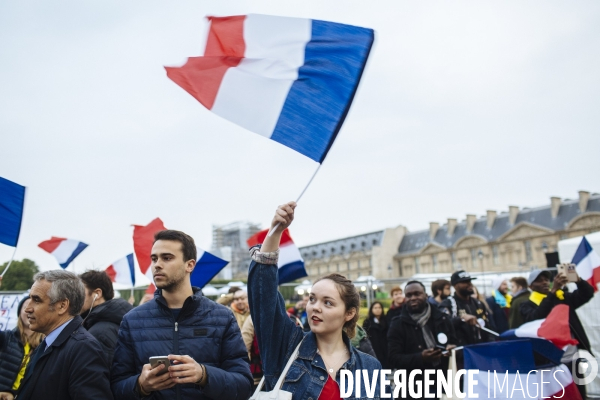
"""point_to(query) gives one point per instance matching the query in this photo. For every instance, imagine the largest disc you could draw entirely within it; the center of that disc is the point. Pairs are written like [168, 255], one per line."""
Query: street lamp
[544, 247]
[480, 256]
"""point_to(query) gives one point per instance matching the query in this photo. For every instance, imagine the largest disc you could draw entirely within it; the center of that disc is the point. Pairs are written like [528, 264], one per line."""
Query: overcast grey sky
[464, 106]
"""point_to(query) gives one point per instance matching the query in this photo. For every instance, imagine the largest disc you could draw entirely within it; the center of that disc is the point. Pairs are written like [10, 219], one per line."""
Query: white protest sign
[8, 310]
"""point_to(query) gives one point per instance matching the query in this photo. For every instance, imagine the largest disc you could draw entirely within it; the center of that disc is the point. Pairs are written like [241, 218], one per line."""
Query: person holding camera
[544, 298]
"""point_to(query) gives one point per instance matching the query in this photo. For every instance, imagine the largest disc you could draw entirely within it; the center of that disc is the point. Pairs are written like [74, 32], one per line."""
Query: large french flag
[64, 250]
[122, 271]
[588, 263]
[289, 79]
[555, 328]
[290, 265]
[504, 373]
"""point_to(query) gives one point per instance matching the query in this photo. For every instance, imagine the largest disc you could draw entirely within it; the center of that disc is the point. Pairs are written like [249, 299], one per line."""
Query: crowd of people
[74, 340]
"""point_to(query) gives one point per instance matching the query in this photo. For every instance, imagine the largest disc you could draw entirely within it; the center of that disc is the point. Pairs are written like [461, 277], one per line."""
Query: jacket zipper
[176, 351]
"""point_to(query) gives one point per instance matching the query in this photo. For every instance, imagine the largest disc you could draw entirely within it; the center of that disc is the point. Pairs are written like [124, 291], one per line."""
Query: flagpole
[10, 262]
[299, 197]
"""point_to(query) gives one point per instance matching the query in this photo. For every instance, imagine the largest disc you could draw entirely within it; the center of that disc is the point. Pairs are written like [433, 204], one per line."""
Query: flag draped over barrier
[290, 264]
[555, 328]
[289, 79]
[64, 250]
[507, 371]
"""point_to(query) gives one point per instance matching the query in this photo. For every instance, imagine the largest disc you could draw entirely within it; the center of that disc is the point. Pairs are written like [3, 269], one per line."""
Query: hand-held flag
[64, 250]
[12, 202]
[122, 271]
[12, 198]
[588, 263]
[207, 266]
[289, 79]
[290, 265]
[143, 239]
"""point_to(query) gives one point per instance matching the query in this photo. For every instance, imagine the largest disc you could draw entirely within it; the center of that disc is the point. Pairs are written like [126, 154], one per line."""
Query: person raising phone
[332, 312]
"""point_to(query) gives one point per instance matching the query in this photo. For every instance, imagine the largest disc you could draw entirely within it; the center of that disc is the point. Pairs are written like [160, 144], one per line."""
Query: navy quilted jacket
[11, 357]
[204, 330]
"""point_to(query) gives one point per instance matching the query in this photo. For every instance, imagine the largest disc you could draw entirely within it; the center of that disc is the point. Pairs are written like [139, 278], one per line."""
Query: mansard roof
[364, 242]
[413, 242]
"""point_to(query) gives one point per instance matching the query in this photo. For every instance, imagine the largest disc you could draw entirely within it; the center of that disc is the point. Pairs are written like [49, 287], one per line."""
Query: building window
[352, 246]
[495, 255]
[337, 267]
[528, 255]
[473, 258]
[434, 260]
[453, 257]
[348, 265]
[417, 265]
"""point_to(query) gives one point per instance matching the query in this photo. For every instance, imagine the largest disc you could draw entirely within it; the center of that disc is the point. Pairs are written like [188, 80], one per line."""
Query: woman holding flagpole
[332, 312]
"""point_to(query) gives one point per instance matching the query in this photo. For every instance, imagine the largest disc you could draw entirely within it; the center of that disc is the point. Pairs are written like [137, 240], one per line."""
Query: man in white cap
[499, 303]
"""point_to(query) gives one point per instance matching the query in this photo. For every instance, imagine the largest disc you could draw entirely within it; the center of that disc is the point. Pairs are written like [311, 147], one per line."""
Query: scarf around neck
[421, 319]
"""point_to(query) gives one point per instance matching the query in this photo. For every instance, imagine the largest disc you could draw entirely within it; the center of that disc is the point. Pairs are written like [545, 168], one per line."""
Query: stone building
[506, 241]
[513, 240]
[367, 254]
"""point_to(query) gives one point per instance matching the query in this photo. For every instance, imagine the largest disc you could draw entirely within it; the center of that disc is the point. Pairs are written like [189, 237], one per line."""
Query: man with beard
[543, 299]
[467, 313]
[417, 336]
[440, 290]
[206, 355]
[101, 313]
[499, 303]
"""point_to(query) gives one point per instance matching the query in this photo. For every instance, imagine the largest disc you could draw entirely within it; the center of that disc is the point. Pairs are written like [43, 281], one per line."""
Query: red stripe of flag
[259, 238]
[52, 244]
[202, 76]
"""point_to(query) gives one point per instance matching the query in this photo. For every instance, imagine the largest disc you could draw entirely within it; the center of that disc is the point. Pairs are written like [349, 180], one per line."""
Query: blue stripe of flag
[80, 247]
[292, 271]
[207, 267]
[320, 98]
[131, 268]
[12, 202]
[582, 251]
[510, 356]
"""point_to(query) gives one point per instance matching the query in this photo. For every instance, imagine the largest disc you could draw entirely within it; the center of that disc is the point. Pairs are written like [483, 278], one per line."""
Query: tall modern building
[229, 243]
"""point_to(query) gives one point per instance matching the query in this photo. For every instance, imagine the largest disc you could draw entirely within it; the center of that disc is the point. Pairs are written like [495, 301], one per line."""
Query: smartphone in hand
[158, 360]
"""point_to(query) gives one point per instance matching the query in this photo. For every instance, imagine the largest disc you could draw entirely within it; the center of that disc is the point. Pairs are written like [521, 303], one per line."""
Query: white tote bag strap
[274, 393]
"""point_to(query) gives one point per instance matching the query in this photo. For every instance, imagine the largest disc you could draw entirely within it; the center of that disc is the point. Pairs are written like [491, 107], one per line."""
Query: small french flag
[289, 79]
[555, 328]
[64, 250]
[588, 263]
[290, 265]
[122, 271]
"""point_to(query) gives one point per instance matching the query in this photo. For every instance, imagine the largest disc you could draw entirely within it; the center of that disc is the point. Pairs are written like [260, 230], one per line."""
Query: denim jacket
[278, 336]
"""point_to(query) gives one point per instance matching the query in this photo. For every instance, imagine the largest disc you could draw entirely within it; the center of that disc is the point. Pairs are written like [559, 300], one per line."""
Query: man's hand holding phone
[154, 376]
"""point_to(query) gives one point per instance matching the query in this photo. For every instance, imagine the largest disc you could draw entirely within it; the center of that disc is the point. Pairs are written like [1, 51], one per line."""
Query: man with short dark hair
[69, 363]
[101, 313]
[179, 320]
[417, 336]
[520, 293]
[466, 311]
[440, 290]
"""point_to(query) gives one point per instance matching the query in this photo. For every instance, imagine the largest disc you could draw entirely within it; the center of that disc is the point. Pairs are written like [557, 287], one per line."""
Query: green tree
[19, 276]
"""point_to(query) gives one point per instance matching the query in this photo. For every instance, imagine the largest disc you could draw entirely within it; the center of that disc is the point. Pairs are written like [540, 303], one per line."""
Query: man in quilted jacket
[202, 339]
